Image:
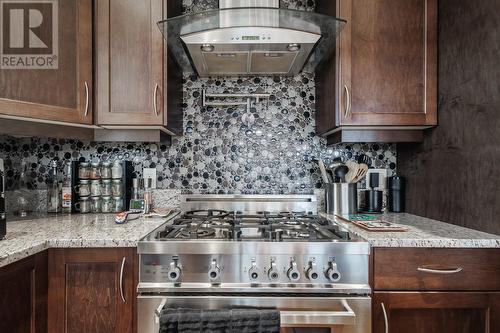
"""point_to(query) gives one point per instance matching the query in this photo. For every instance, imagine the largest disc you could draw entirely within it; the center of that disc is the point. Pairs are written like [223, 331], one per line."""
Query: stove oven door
[298, 314]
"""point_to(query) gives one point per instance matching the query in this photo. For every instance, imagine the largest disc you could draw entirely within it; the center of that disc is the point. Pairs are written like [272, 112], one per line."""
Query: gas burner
[195, 232]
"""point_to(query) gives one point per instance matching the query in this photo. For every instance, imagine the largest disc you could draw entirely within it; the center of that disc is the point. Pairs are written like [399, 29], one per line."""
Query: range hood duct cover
[246, 40]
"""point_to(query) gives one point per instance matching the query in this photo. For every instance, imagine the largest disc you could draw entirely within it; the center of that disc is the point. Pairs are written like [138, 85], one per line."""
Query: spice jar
[117, 170]
[84, 171]
[107, 205]
[83, 206]
[117, 188]
[83, 189]
[95, 171]
[106, 170]
[106, 187]
[95, 188]
[118, 204]
[95, 205]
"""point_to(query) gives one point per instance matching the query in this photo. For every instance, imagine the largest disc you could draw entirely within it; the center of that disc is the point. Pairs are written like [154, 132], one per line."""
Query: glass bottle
[22, 192]
[53, 195]
[66, 195]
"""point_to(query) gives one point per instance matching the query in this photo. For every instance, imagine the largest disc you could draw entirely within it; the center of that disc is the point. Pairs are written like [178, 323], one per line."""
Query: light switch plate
[382, 178]
[150, 173]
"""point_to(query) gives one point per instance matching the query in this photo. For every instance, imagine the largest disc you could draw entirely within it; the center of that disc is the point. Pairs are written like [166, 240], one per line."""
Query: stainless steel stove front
[313, 283]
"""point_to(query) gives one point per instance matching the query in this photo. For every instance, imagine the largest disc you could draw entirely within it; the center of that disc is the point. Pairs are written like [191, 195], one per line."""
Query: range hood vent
[251, 37]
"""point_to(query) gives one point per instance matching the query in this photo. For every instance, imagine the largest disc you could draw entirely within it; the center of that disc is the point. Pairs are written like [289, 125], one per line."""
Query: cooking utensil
[364, 159]
[353, 171]
[324, 175]
[362, 170]
[341, 171]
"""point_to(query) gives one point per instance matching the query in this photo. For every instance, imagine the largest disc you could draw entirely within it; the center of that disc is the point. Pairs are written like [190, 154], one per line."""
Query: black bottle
[396, 199]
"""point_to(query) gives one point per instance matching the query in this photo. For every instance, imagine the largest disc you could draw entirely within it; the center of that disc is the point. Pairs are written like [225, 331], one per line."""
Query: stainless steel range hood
[250, 37]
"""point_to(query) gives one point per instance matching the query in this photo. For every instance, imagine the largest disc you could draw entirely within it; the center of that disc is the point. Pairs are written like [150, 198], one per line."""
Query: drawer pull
[86, 99]
[386, 321]
[440, 271]
[121, 280]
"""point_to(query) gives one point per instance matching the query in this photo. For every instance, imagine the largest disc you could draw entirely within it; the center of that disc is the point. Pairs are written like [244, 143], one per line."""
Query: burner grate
[265, 226]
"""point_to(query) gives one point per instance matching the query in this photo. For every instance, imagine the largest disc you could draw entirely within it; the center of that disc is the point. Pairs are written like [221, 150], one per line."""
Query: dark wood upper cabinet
[23, 295]
[384, 71]
[132, 68]
[62, 93]
[92, 290]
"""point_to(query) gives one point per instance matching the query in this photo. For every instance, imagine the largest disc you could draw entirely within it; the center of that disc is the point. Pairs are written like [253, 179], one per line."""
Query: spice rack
[76, 188]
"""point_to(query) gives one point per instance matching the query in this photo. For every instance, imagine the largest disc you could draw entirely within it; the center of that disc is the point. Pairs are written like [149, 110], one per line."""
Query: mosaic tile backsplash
[217, 153]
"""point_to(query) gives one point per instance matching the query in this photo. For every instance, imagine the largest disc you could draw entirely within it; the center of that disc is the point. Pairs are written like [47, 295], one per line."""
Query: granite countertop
[422, 232]
[30, 236]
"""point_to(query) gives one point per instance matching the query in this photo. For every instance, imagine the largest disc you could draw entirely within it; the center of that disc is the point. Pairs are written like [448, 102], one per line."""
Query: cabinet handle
[347, 108]
[86, 99]
[155, 94]
[440, 271]
[121, 280]
[386, 322]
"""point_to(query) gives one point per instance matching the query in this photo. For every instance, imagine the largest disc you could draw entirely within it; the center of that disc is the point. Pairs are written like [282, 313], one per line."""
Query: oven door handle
[158, 310]
[322, 318]
[302, 318]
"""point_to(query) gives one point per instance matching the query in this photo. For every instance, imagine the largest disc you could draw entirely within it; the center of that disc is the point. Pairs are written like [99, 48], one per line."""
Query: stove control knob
[214, 272]
[312, 273]
[332, 273]
[293, 273]
[273, 274]
[174, 273]
[253, 272]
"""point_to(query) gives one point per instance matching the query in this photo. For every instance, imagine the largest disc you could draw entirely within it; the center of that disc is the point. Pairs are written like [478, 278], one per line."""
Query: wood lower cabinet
[426, 290]
[384, 72]
[439, 312]
[23, 296]
[135, 79]
[61, 93]
[92, 290]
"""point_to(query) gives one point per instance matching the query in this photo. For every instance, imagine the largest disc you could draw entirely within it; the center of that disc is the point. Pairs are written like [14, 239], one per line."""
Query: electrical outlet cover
[150, 173]
[382, 178]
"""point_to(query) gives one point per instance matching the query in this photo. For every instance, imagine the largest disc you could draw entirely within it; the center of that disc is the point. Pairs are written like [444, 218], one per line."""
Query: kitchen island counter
[422, 232]
[30, 236]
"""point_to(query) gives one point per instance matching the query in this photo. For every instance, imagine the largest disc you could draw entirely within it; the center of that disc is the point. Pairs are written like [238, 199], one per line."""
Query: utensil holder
[341, 198]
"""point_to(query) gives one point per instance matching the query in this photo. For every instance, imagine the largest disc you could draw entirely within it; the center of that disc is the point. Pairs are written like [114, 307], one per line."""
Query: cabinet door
[129, 62]
[23, 296]
[443, 312]
[91, 290]
[388, 62]
[384, 71]
[58, 93]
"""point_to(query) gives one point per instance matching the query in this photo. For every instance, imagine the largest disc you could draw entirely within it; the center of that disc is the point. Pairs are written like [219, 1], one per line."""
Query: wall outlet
[382, 178]
[150, 173]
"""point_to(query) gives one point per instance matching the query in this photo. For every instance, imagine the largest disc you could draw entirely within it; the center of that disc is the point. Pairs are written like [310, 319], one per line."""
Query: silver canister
[83, 206]
[107, 204]
[95, 204]
[106, 189]
[118, 206]
[95, 188]
[106, 170]
[341, 198]
[83, 189]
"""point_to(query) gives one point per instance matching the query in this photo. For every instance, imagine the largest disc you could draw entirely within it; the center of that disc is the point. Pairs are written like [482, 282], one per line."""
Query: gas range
[252, 243]
[255, 251]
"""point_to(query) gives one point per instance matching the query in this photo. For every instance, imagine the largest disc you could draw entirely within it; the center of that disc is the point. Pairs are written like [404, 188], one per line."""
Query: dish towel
[219, 321]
